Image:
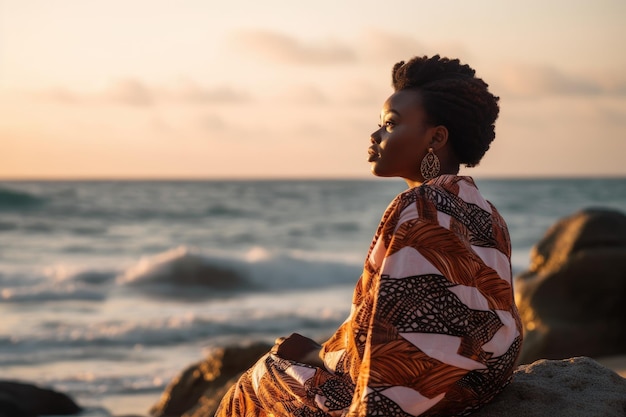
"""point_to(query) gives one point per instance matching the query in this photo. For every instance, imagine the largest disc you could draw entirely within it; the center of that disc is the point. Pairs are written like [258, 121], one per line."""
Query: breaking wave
[185, 273]
[13, 199]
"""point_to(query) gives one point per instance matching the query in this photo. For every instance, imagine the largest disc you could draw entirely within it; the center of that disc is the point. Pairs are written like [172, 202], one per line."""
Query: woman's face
[402, 139]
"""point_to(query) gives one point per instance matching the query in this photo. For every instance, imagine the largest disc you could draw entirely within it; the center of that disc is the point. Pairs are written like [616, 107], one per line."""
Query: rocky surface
[18, 399]
[546, 388]
[198, 390]
[571, 298]
[570, 387]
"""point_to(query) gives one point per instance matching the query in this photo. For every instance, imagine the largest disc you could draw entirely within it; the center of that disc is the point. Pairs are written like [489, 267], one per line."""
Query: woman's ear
[439, 138]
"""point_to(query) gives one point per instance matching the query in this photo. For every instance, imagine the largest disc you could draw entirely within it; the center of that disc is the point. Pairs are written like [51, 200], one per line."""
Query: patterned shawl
[433, 328]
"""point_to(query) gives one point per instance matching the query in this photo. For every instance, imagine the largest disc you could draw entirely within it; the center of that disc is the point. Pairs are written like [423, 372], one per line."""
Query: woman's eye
[388, 124]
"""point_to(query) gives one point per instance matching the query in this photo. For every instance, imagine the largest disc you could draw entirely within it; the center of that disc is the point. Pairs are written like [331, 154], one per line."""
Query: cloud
[134, 92]
[386, 48]
[212, 123]
[310, 130]
[305, 95]
[131, 92]
[532, 81]
[369, 46]
[191, 92]
[610, 113]
[62, 95]
[279, 47]
[364, 92]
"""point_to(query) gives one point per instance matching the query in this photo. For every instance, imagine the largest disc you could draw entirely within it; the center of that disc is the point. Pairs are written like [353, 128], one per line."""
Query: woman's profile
[433, 328]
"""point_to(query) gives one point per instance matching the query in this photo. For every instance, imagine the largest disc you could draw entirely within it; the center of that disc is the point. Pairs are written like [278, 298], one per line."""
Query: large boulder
[571, 299]
[18, 399]
[575, 387]
[198, 390]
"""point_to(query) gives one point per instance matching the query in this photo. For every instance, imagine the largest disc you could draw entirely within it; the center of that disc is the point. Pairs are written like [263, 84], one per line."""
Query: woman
[433, 329]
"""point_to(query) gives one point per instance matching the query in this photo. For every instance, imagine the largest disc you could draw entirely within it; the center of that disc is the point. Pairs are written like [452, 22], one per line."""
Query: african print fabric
[433, 328]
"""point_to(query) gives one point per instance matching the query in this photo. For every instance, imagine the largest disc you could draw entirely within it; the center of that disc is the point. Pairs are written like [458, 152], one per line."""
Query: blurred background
[176, 176]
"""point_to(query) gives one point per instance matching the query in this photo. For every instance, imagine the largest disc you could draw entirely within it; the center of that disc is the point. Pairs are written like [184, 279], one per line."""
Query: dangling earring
[430, 165]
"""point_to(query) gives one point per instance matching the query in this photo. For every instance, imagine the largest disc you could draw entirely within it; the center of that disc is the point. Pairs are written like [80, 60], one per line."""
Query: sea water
[108, 289]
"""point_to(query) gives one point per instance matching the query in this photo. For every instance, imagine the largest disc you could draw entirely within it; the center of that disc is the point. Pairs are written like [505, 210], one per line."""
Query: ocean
[108, 289]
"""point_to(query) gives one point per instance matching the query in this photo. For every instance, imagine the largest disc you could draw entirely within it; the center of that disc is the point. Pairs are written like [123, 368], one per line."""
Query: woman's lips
[373, 154]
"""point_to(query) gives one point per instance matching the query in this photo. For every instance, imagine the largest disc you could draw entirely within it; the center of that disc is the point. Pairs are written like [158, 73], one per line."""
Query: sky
[97, 89]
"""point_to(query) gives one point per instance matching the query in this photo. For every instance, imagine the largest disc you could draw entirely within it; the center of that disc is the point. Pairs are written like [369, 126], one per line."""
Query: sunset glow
[206, 89]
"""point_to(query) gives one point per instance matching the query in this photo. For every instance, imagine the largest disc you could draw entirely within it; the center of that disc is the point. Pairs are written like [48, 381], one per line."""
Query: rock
[200, 387]
[571, 298]
[546, 388]
[570, 387]
[19, 399]
[616, 363]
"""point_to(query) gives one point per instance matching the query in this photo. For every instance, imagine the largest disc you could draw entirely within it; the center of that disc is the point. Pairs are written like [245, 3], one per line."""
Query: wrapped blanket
[433, 328]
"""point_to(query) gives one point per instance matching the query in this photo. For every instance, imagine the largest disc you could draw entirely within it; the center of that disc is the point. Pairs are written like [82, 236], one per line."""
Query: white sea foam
[256, 269]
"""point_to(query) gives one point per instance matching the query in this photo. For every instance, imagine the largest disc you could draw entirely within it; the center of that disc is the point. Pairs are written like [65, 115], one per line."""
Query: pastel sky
[292, 89]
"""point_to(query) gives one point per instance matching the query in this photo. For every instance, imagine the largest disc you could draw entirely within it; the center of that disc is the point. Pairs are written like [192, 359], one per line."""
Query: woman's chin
[377, 171]
[373, 169]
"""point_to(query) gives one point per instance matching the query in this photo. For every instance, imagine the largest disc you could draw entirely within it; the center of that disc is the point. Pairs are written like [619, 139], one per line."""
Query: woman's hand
[299, 349]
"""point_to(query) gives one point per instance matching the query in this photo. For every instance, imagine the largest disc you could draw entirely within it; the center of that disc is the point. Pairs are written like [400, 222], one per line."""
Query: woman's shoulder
[452, 190]
[447, 193]
[453, 184]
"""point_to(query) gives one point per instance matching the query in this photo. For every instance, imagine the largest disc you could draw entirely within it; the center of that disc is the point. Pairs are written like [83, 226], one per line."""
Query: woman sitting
[433, 329]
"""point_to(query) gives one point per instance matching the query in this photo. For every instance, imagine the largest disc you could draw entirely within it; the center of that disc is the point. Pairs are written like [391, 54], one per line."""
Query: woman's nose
[375, 137]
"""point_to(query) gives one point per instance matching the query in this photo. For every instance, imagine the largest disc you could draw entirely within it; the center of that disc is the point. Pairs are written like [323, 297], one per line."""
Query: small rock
[18, 399]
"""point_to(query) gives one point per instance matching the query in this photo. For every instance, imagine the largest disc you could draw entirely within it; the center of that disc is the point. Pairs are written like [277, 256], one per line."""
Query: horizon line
[293, 178]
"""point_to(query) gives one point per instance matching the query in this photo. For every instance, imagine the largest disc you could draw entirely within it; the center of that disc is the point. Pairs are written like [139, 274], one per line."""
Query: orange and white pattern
[433, 328]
